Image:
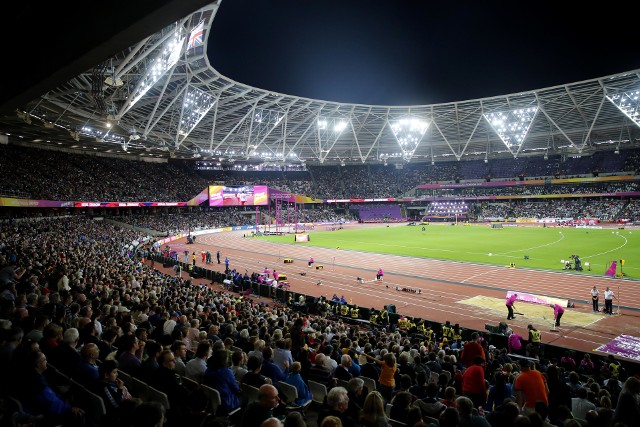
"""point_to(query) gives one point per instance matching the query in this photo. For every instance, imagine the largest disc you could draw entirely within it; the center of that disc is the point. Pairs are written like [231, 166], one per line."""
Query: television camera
[573, 263]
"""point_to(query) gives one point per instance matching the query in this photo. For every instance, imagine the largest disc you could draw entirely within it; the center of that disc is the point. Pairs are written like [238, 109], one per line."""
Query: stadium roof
[160, 98]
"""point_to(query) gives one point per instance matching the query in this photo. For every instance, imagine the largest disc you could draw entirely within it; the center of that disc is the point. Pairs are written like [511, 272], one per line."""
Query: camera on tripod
[573, 263]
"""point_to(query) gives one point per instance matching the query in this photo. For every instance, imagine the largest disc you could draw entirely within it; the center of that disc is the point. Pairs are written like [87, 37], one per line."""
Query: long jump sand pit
[538, 314]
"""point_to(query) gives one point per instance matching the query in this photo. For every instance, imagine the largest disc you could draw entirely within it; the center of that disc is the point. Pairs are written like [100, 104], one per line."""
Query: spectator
[262, 409]
[337, 402]
[580, 405]
[65, 357]
[498, 392]
[39, 398]
[468, 417]
[117, 400]
[473, 383]
[627, 409]
[294, 379]
[219, 376]
[373, 413]
[530, 387]
[431, 406]
[196, 367]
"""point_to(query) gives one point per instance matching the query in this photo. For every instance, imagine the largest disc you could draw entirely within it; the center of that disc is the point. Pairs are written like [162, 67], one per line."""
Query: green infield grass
[531, 247]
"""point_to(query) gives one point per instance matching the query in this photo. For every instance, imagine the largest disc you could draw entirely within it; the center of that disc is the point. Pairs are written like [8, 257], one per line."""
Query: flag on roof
[196, 38]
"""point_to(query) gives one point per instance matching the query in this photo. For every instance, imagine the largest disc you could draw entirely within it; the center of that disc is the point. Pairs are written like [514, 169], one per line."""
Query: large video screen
[238, 195]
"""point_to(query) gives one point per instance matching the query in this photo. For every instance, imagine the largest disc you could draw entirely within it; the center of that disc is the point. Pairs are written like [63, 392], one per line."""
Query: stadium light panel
[159, 65]
[195, 105]
[628, 103]
[512, 126]
[409, 132]
[329, 130]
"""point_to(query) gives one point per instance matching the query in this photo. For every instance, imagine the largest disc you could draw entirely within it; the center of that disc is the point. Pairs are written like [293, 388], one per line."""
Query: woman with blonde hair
[372, 414]
[331, 421]
[627, 410]
[386, 381]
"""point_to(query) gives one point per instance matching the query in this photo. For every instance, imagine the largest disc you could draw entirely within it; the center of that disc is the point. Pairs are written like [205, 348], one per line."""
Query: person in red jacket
[472, 349]
[473, 384]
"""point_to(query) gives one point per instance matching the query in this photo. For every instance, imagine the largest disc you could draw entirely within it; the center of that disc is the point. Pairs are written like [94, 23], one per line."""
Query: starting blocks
[319, 267]
[288, 260]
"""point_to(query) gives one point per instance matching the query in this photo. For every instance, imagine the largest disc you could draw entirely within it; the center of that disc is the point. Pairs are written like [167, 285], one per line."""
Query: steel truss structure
[131, 105]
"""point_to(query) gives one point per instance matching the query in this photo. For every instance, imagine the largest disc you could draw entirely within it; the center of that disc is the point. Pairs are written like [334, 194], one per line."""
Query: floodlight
[512, 126]
[628, 103]
[158, 66]
[339, 126]
[195, 105]
[110, 81]
[409, 132]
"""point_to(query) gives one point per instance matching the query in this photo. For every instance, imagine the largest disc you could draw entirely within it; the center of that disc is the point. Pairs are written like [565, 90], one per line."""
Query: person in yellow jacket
[344, 310]
[457, 332]
[355, 313]
[373, 318]
[447, 331]
[384, 317]
[535, 342]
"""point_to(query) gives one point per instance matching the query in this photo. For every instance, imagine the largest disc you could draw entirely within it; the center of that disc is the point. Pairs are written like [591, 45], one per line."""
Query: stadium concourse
[472, 295]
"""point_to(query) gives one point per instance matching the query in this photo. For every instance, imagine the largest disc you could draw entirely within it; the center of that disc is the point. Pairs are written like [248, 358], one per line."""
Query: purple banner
[624, 346]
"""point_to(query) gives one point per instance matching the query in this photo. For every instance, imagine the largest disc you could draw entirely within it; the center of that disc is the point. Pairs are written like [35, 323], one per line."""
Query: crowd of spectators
[607, 210]
[93, 178]
[54, 175]
[200, 219]
[78, 302]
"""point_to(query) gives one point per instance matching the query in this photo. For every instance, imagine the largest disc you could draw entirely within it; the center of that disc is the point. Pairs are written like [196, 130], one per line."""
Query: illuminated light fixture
[409, 132]
[110, 81]
[158, 66]
[329, 130]
[268, 117]
[628, 103]
[195, 105]
[512, 126]
[264, 122]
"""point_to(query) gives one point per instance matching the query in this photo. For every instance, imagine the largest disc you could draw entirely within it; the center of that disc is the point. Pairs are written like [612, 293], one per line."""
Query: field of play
[527, 247]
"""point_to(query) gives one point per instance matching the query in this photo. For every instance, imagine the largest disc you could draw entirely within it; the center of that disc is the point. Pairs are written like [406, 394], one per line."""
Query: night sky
[400, 52]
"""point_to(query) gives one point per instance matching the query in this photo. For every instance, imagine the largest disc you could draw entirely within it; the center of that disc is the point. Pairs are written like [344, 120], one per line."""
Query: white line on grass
[606, 252]
[535, 247]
